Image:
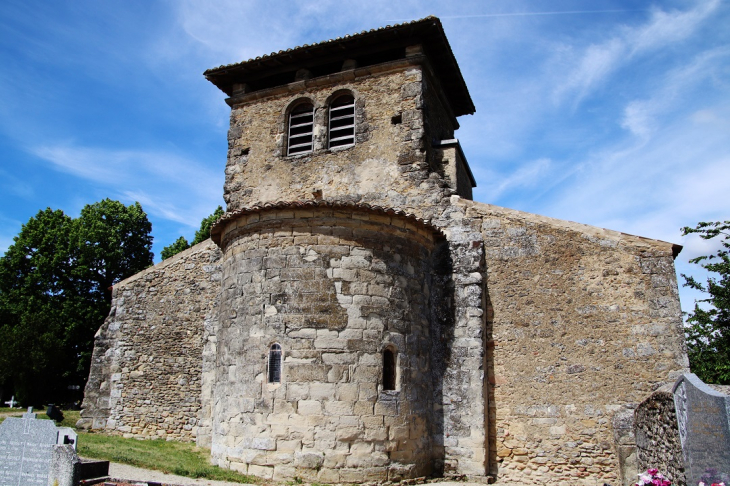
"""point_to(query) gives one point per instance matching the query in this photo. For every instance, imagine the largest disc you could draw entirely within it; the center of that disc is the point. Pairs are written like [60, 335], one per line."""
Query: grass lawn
[181, 458]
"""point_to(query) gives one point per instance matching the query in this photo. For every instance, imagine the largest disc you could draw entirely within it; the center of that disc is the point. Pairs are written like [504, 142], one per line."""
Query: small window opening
[342, 121]
[301, 125]
[275, 363]
[397, 119]
[388, 369]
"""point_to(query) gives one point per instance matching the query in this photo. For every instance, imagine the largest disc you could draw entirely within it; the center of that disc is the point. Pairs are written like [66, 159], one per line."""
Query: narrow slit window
[388, 369]
[275, 363]
[342, 121]
[301, 128]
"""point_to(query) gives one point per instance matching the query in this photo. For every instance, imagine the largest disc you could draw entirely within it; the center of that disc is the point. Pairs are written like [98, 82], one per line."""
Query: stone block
[338, 408]
[283, 472]
[322, 391]
[307, 373]
[308, 459]
[288, 445]
[309, 407]
[315, 420]
[349, 433]
[375, 421]
[373, 474]
[297, 391]
[328, 476]
[335, 459]
[347, 392]
[399, 433]
[364, 408]
[378, 434]
[266, 472]
[386, 408]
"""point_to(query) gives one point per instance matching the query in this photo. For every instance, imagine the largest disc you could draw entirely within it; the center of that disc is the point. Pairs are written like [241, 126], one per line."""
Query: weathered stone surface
[657, 436]
[703, 420]
[26, 449]
[317, 319]
[147, 373]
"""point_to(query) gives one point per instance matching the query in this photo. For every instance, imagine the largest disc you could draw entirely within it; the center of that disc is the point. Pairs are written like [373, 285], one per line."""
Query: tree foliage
[708, 333]
[204, 232]
[55, 291]
[181, 244]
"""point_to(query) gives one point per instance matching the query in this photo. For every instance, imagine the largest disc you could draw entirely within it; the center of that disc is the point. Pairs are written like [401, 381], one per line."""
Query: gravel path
[135, 474]
[132, 474]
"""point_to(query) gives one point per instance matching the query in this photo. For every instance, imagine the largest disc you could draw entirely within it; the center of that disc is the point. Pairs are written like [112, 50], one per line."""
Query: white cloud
[640, 115]
[669, 27]
[597, 62]
[169, 186]
[166, 209]
[638, 118]
[525, 177]
[110, 166]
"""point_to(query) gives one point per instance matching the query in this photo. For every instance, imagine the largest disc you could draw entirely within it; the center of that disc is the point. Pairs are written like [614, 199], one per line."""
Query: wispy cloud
[168, 185]
[640, 115]
[526, 177]
[598, 61]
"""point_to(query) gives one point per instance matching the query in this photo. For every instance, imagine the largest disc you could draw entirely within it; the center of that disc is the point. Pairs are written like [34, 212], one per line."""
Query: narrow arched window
[275, 363]
[301, 128]
[342, 121]
[388, 369]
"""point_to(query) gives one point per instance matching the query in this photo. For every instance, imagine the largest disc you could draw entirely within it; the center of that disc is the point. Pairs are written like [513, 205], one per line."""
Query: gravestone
[26, 446]
[703, 420]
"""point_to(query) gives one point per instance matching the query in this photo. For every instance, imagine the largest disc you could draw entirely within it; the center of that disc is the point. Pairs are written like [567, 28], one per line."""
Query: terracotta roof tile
[217, 228]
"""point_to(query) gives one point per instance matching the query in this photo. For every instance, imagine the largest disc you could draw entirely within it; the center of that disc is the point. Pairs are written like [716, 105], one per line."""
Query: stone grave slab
[26, 447]
[703, 419]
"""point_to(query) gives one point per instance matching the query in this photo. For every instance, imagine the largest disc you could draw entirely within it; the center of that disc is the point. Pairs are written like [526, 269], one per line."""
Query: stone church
[357, 317]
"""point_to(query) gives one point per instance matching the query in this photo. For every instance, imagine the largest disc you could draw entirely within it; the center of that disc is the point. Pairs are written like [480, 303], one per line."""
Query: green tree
[181, 244]
[114, 242]
[55, 291]
[35, 278]
[204, 232]
[708, 331]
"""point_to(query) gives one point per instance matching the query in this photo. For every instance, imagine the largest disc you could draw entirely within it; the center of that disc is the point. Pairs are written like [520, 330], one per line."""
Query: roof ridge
[320, 43]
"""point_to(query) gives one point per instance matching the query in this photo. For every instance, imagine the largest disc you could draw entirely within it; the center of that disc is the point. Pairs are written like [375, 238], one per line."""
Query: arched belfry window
[301, 128]
[342, 121]
[389, 369]
[275, 363]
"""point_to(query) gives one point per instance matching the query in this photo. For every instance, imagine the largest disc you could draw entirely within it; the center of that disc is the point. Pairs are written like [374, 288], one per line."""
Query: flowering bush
[652, 477]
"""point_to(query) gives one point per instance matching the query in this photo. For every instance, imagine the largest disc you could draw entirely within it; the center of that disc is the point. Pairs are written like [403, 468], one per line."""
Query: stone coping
[594, 231]
[216, 231]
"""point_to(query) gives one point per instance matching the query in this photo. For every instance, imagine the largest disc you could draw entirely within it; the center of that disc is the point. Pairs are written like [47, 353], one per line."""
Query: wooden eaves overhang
[367, 48]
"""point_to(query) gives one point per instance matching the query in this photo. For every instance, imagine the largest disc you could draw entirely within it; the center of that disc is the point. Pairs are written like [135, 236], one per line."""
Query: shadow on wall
[442, 332]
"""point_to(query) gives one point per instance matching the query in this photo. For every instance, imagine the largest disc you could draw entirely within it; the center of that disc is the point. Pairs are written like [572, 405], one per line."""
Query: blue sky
[609, 113]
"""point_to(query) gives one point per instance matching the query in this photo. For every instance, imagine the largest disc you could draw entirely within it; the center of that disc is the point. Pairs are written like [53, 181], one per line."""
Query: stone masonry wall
[333, 287]
[388, 165]
[657, 437]
[145, 378]
[585, 322]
